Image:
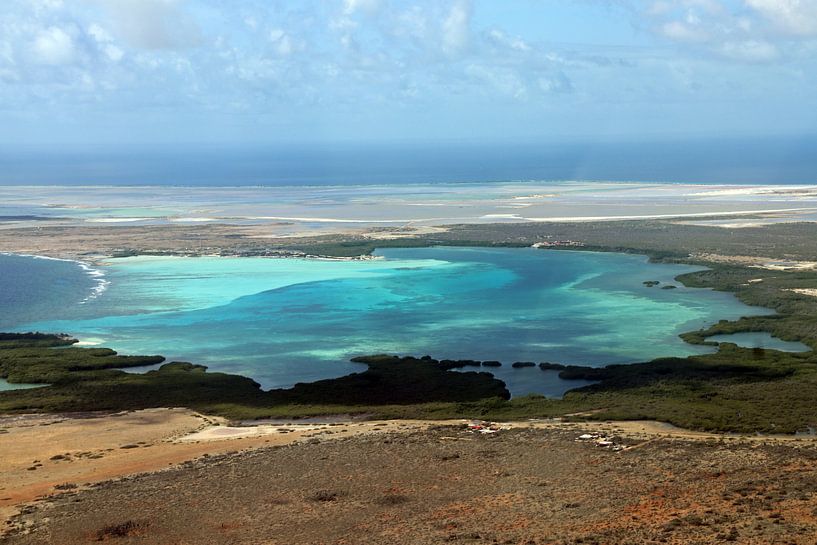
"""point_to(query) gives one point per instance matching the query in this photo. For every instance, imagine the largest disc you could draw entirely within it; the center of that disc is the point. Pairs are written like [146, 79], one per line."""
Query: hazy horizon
[737, 161]
[129, 74]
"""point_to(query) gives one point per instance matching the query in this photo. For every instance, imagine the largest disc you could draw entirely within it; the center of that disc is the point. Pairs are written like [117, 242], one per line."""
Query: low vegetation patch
[392, 499]
[735, 389]
[128, 528]
[87, 379]
[327, 495]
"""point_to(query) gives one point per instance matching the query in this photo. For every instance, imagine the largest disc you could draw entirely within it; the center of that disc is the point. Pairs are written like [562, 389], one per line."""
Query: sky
[130, 73]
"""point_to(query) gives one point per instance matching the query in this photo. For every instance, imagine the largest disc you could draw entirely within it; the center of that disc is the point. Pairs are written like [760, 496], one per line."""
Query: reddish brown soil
[445, 485]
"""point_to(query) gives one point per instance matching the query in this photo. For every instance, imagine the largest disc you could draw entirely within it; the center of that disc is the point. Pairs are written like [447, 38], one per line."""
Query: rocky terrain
[448, 484]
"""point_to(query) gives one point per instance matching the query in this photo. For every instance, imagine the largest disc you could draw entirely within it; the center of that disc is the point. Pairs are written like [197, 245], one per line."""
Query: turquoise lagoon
[6, 385]
[283, 321]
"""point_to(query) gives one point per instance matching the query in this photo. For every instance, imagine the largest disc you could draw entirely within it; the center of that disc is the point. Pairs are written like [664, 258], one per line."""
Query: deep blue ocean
[36, 287]
[790, 160]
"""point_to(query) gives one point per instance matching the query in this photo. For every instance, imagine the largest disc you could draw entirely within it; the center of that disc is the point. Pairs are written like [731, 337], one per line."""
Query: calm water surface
[759, 339]
[283, 321]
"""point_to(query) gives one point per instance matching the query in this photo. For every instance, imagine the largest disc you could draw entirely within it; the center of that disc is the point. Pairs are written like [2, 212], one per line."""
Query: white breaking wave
[97, 274]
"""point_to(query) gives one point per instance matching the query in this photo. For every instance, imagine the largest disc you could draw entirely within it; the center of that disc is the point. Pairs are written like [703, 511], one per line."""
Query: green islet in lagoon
[283, 321]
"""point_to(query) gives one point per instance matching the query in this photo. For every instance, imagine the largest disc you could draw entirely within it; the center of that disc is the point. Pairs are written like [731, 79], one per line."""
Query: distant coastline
[271, 220]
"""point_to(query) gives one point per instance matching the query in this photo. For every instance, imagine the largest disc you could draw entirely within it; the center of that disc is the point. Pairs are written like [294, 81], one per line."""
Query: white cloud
[795, 17]
[99, 34]
[282, 42]
[752, 31]
[683, 32]
[105, 43]
[557, 83]
[750, 50]
[352, 6]
[503, 80]
[500, 38]
[152, 24]
[39, 6]
[275, 59]
[53, 46]
[6, 53]
[412, 23]
[113, 53]
[456, 27]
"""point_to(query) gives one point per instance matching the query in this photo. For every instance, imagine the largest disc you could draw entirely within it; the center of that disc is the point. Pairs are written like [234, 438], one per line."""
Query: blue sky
[122, 73]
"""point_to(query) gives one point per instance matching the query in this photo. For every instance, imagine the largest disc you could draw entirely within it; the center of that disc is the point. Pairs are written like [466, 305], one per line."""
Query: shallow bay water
[759, 339]
[283, 321]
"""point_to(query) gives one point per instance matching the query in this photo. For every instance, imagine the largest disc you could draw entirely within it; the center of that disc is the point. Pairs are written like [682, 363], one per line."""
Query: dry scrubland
[785, 240]
[446, 485]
